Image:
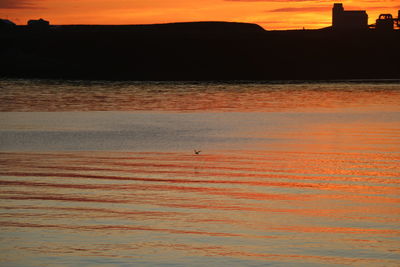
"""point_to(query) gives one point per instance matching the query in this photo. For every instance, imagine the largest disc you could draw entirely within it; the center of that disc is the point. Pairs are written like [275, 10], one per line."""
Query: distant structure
[386, 22]
[6, 24]
[38, 24]
[348, 20]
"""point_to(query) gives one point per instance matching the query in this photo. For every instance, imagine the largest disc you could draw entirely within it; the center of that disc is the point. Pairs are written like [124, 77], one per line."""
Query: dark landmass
[197, 51]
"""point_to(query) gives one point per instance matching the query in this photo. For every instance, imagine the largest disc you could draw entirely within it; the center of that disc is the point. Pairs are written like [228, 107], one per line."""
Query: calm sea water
[290, 174]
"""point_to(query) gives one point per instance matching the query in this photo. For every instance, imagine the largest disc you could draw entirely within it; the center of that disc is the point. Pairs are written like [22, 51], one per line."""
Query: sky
[270, 14]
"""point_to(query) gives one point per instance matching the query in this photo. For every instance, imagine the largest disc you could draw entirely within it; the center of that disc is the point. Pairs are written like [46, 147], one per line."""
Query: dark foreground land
[197, 51]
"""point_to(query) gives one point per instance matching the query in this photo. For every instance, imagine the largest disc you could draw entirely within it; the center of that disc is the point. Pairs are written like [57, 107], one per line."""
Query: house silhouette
[348, 20]
[39, 24]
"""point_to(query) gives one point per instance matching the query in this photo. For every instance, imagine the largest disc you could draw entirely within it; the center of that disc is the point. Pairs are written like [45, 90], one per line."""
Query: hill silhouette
[197, 51]
[201, 27]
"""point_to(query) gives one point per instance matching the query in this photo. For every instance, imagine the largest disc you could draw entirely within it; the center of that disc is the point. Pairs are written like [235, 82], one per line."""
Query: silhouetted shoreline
[197, 51]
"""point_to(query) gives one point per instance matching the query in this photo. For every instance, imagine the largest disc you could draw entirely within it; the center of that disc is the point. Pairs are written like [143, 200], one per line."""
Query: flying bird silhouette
[197, 152]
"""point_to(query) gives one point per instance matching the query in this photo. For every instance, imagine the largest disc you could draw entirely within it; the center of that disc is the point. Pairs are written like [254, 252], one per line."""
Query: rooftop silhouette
[358, 20]
[348, 20]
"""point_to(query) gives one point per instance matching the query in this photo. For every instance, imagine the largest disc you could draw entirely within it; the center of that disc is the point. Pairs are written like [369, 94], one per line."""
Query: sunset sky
[270, 14]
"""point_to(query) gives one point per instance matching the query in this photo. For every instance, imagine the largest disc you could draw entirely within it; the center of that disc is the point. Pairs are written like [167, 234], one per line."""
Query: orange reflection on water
[284, 199]
[311, 187]
[189, 97]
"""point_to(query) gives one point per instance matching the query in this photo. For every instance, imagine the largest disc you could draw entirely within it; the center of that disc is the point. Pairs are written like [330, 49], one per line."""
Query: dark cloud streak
[303, 9]
[17, 4]
[315, 1]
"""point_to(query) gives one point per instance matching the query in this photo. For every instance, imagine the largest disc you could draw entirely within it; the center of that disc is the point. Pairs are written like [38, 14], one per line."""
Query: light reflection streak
[21, 96]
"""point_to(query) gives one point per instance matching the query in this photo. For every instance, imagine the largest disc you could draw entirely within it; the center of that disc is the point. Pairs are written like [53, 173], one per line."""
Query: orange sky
[270, 14]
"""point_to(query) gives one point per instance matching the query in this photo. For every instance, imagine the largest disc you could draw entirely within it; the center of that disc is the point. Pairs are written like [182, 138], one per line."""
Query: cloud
[318, 1]
[17, 4]
[302, 9]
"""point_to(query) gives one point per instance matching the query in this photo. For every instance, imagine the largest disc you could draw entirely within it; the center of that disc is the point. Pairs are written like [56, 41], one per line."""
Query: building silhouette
[6, 25]
[386, 22]
[39, 24]
[348, 20]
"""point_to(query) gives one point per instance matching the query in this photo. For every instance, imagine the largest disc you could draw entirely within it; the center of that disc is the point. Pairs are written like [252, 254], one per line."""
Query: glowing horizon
[270, 14]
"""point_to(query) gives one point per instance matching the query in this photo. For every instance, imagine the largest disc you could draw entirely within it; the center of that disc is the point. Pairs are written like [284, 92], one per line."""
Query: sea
[289, 173]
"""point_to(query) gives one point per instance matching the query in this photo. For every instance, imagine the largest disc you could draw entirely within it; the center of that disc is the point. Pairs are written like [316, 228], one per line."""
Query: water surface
[104, 174]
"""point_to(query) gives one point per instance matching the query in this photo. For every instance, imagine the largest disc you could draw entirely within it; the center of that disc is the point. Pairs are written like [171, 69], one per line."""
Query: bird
[197, 152]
